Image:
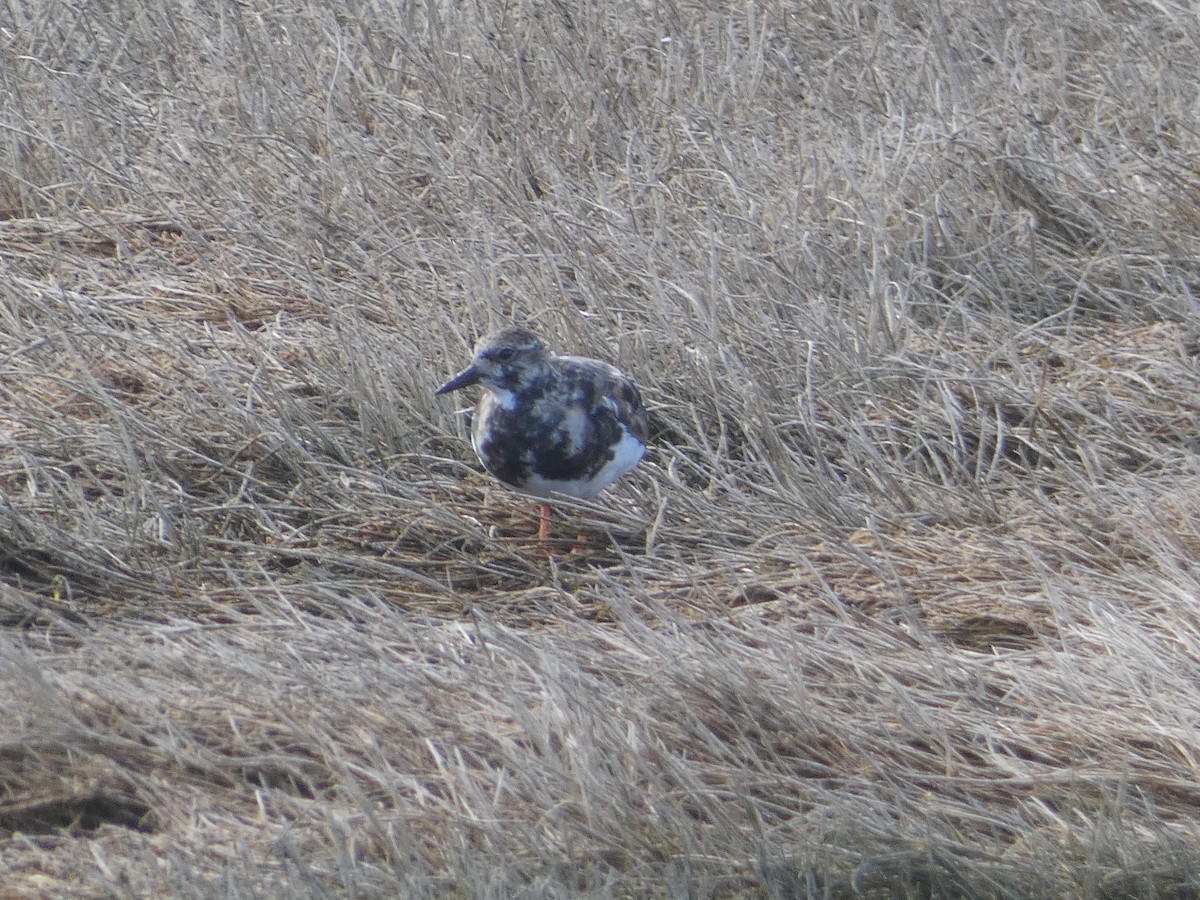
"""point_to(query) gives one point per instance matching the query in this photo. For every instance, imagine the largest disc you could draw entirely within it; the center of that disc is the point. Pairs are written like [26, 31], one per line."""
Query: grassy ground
[903, 602]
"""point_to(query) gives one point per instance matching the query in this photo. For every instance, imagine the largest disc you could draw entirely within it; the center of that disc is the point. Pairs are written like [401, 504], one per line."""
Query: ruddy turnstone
[549, 424]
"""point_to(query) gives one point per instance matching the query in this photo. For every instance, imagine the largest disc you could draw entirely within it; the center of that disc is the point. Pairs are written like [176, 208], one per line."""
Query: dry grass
[904, 602]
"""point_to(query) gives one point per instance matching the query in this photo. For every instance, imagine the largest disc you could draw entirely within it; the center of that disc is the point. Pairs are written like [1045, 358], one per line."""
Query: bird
[547, 424]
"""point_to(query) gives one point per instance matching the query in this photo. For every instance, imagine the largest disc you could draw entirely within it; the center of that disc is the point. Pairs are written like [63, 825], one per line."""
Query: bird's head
[504, 362]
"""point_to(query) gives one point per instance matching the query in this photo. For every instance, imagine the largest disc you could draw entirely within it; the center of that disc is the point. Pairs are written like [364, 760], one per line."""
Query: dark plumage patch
[552, 423]
[561, 427]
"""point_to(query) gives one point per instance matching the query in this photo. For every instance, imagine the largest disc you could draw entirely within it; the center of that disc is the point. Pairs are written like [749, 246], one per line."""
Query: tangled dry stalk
[902, 604]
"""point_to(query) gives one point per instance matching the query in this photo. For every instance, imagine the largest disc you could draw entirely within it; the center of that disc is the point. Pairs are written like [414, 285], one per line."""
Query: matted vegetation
[903, 602]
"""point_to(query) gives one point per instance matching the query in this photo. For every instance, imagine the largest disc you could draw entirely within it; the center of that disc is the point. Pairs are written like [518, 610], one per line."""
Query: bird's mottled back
[590, 381]
[551, 424]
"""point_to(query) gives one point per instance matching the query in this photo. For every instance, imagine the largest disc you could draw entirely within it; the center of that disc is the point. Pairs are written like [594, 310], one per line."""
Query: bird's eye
[506, 354]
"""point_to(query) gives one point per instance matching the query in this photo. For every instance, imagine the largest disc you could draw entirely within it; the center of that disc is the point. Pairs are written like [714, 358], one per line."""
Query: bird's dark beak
[467, 377]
